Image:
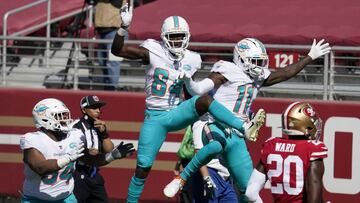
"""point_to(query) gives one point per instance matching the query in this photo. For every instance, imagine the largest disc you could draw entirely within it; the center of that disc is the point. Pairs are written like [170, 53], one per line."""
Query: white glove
[126, 14]
[72, 156]
[319, 49]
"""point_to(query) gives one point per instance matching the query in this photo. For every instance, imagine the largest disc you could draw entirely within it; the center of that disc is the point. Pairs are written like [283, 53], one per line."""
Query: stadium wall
[124, 115]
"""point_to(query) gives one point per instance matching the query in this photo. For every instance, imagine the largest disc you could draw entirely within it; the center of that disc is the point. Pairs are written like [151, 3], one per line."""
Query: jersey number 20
[282, 171]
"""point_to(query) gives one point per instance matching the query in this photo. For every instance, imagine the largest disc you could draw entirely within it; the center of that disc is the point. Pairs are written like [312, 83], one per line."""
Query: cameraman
[89, 184]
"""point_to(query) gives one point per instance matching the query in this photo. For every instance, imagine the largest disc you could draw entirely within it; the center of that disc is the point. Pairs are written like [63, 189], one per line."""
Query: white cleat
[252, 128]
[173, 187]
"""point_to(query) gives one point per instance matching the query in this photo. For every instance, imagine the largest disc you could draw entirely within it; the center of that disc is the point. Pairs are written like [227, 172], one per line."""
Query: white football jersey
[57, 185]
[163, 90]
[239, 92]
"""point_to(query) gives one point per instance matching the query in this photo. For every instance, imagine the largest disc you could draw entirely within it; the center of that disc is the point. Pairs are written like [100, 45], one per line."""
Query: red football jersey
[286, 163]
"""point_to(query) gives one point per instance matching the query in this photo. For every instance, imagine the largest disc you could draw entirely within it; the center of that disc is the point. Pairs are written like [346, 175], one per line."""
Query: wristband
[121, 31]
[109, 157]
[62, 162]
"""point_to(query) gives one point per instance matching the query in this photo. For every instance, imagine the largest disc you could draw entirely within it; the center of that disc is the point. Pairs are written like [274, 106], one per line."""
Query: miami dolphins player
[165, 110]
[49, 154]
[236, 85]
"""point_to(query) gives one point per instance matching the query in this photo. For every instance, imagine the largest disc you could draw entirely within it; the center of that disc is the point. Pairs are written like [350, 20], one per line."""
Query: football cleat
[173, 187]
[251, 129]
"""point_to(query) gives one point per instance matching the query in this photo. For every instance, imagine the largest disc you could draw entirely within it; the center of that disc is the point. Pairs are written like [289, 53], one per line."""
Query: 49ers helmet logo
[309, 111]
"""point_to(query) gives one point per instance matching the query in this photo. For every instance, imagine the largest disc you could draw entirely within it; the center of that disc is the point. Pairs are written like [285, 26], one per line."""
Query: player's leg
[250, 129]
[239, 163]
[206, 103]
[152, 136]
[215, 144]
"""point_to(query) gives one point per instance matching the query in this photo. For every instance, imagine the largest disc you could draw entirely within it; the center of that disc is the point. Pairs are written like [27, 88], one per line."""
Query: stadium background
[294, 23]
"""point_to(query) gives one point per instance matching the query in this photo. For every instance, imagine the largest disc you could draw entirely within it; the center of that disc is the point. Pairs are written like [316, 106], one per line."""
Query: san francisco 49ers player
[167, 62]
[294, 165]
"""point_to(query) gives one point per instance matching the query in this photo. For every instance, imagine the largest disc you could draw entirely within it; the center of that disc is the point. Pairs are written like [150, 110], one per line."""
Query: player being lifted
[165, 111]
[293, 164]
[236, 85]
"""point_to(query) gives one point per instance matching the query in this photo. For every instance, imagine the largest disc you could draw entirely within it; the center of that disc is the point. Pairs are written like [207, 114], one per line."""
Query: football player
[49, 154]
[165, 111]
[236, 85]
[293, 164]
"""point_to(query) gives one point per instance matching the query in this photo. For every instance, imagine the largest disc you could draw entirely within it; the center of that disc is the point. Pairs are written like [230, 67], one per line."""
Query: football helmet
[250, 54]
[300, 118]
[175, 35]
[52, 114]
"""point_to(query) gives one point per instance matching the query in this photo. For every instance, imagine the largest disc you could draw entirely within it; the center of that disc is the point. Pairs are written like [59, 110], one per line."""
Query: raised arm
[314, 184]
[283, 74]
[118, 47]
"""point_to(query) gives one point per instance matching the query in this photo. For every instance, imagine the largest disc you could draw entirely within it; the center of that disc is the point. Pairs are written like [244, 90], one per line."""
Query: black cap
[91, 101]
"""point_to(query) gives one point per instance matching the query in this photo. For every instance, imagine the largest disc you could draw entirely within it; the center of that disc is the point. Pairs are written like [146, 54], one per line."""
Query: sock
[201, 158]
[223, 115]
[135, 189]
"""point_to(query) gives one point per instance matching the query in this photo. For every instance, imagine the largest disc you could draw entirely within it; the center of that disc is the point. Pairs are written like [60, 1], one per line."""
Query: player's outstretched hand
[120, 151]
[319, 49]
[72, 156]
[126, 14]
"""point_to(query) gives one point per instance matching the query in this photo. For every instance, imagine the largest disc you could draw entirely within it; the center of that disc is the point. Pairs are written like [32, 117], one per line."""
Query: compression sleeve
[255, 184]
[199, 88]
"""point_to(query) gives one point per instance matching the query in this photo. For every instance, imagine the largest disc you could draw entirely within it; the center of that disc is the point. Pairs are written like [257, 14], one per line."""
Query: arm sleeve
[199, 88]
[255, 184]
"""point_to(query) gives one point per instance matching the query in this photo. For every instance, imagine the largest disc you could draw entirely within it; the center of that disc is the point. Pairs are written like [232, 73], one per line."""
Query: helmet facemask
[250, 54]
[53, 115]
[175, 35]
[176, 43]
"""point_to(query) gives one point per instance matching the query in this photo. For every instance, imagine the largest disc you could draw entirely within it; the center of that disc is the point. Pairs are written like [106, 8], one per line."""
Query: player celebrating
[165, 111]
[236, 85]
[294, 165]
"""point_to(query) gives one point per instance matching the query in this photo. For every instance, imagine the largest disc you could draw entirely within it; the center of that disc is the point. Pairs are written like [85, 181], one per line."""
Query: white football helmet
[52, 114]
[250, 54]
[172, 27]
[300, 119]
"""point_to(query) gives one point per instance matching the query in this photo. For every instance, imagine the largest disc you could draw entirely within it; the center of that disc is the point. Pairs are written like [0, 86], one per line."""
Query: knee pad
[144, 161]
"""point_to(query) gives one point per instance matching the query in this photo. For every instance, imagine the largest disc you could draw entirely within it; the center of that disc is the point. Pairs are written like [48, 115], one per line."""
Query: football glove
[72, 156]
[126, 14]
[319, 49]
[209, 188]
[120, 151]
